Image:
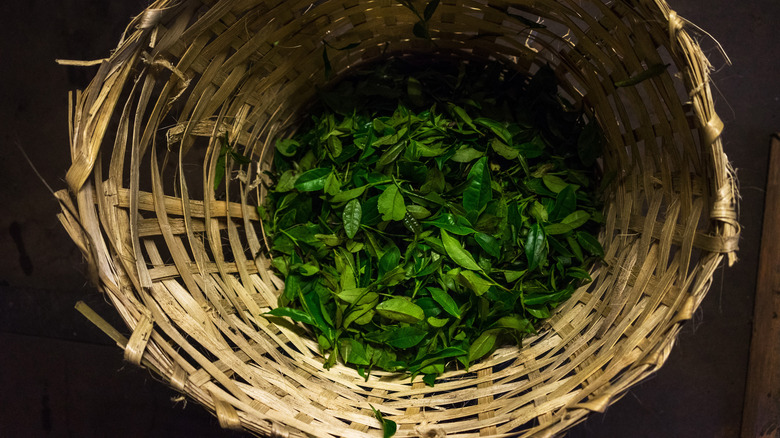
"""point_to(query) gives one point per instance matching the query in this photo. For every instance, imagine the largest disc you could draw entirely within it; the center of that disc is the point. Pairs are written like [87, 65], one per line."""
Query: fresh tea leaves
[226, 153]
[389, 427]
[430, 213]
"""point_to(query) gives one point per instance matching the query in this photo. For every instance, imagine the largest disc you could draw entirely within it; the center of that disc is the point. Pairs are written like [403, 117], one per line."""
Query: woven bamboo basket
[185, 267]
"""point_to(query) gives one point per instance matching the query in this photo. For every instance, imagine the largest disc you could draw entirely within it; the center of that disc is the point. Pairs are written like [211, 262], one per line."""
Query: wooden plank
[761, 414]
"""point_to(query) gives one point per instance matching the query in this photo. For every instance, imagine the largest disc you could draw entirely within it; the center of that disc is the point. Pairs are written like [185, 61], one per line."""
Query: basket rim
[156, 327]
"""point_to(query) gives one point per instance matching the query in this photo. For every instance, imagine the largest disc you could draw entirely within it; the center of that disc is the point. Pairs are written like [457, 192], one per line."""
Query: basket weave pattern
[186, 268]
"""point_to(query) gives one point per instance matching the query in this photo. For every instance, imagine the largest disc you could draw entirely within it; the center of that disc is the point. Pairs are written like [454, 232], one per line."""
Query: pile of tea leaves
[430, 212]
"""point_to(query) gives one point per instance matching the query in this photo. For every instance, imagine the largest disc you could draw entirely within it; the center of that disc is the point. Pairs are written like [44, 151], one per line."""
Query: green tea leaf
[576, 219]
[489, 244]
[412, 224]
[361, 314]
[371, 215]
[565, 203]
[466, 155]
[286, 182]
[348, 195]
[512, 276]
[580, 273]
[532, 149]
[344, 267]
[332, 185]
[380, 127]
[559, 228]
[335, 146]
[516, 323]
[454, 224]
[457, 253]
[393, 277]
[287, 147]
[305, 233]
[437, 322]
[559, 251]
[478, 284]
[353, 352]
[419, 30]
[539, 212]
[353, 246]
[400, 309]
[444, 353]
[478, 192]
[391, 154]
[405, 336]
[294, 314]
[537, 186]
[428, 151]
[432, 267]
[554, 183]
[445, 301]
[590, 243]
[391, 204]
[538, 313]
[219, 170]
[417, 211]
[498, 128]
[502, 149]
[312, 180]
[307, 161]
[535, 246]
[357, 295]
[389, 260]
[575, 248]
[352, 215]
[483, 345]
[434, 183]
[238, 158]
[388, 427]
[462, 115]
[307, 269]
[311, 305]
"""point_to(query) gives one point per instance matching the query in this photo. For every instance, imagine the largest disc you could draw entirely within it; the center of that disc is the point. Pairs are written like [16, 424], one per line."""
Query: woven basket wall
[185, 269]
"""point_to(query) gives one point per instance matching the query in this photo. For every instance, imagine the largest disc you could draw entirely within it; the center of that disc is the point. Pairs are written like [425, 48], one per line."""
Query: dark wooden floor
[60, 377]
[761, 416]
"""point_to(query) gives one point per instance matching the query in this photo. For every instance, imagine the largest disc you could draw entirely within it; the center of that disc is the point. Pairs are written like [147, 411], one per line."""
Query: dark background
[60, 376]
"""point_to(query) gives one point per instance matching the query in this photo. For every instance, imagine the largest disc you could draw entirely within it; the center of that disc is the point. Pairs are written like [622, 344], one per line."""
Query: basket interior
[186, 269]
